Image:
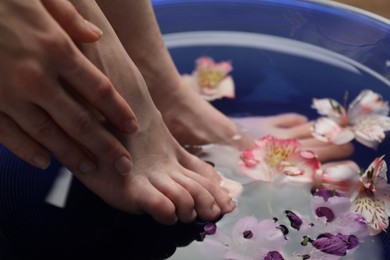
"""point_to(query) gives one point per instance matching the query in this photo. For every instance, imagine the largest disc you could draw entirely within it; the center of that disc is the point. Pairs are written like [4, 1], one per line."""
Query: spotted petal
[375, 174]
[374, 213]
[380, 220]
[364, 206]
[327, 130]
[368, 103]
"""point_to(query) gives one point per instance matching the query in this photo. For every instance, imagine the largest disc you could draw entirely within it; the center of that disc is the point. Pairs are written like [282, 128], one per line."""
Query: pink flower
[365, 120]
[211, 79]
[373, 201]
[272, 157]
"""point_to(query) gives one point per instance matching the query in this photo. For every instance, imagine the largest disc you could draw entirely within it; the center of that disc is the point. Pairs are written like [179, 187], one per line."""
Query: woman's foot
[166, 181]
[292, 125]
[200, 123]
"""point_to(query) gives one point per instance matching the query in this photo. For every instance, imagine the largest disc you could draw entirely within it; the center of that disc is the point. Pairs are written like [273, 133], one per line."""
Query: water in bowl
[275, 75]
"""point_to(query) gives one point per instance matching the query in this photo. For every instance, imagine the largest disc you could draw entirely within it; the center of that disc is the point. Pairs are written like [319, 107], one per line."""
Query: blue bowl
[284, 53]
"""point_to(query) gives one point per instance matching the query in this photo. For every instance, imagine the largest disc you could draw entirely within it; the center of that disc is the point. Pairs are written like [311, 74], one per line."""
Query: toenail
[87, 166]
[215, 209]
[193, 216]
[123, 165]
[232, 205]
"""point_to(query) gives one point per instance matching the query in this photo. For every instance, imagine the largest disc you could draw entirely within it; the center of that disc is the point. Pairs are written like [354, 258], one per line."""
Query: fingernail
[215, 209]
[87, 166]
[94, 28]
[130, 126]
[123, 165]
[41, 161]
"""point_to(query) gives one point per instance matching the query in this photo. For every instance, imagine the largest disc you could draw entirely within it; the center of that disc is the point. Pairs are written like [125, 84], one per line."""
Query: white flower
[365, 120]
[373, 201]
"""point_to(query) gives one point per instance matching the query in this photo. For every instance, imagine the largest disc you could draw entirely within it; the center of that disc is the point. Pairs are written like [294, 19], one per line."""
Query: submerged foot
[200, 123]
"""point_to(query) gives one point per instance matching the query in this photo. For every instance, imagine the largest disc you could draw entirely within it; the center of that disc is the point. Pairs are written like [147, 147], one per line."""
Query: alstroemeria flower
[250, 240]
[211, 79]
[272, 157]
[365, 120]
[373, 201]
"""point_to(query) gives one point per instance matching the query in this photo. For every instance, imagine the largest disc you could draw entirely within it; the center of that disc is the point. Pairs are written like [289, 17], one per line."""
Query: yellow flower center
[276, 155]
[210, 78]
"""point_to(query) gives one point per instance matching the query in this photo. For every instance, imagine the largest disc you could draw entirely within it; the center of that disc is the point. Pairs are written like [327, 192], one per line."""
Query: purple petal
[273, 255]
[326, 194]
[210, 228]
[325, 212]
[335, 245]
[353, 242]
[247, 234]
[295, 221]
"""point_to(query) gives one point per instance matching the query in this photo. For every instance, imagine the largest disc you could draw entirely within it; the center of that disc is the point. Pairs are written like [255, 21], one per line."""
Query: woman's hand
[38, 114]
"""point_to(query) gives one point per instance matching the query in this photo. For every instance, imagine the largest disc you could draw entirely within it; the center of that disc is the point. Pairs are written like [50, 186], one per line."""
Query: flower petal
[329, 107]
[364, 206]
[327, 130]
[226, 88]
[370, 130]
[341, 177]
[375, 174]
[368, 103]
[380, 220]
[302, 165]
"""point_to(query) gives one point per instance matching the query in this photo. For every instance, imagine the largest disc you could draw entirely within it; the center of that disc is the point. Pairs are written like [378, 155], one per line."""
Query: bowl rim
[328, 3]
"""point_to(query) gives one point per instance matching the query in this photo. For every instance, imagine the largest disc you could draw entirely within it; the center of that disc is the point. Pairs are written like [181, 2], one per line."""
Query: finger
[22, 145]
[94, 87]
[40, 126]
[79, 29]
[78, 123]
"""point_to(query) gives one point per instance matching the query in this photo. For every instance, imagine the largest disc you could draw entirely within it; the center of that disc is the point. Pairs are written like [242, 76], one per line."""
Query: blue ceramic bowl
[284, 53]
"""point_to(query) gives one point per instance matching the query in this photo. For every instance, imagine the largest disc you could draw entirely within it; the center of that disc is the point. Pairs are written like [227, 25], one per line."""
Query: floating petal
[368, 103]
[370, 130]
[327, 130]
[330, 108]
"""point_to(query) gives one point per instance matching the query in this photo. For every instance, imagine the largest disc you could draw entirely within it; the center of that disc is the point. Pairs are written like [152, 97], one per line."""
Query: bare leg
[198, 122]
[166, 181]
